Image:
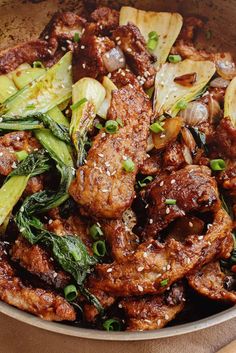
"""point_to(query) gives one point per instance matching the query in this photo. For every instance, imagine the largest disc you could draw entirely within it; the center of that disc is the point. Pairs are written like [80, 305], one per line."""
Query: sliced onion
[114, 59]
[188, 139]
[172, 128]
[187, 155]
[214, 110]
[225, 66]
[219, 82]
[195, 114]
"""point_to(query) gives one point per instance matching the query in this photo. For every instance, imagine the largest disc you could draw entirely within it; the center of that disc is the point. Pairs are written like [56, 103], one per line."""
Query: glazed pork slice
[27, 52]
[210, 281]
[192, 189]
[155, 266]
[103, 188]
[132, 43]
[107, 19]
[45, 304]
[38, 261]
[224, 139]
[153, 312]
[14, 142]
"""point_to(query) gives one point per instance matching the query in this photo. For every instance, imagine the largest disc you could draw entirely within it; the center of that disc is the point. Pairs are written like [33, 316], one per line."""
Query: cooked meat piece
[190, 26]
[218, 94]
[155, 266]
[102, 187]
[106, 18]
[73, 225]
[89, 310]
[188, 51]
[192, 188]
[11, 143]
[28, 52]
[173, 158]
[123, 77]
[122, 241]
[87, 58]
[151, 165]
[210, 281]
[38, 261]
[35, 184]
[183, 227]
[62, 28]
[224, 139]
[134, 47]
[40, 302]
[153, 312]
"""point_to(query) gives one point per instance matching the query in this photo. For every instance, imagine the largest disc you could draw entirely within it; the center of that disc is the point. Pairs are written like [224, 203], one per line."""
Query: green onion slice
[70, 292]
[76, 37]
[120, 122]
[95, 232]
[152, 40]
[128, 165]
[156, 128]
[99, 126]
[182, 105]
[38, 64]
[99, 248]
[112, 325]
[145, 181]
[111, 126]
[78, 104]
[170, 202]
[174, 58]
[21, 155]
[217, 164]
[164, 282]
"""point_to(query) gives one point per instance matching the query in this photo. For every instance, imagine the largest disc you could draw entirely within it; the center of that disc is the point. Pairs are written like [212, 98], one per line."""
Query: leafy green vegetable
[230, 102]
[8, 123]
[7, 88]
[46, 92]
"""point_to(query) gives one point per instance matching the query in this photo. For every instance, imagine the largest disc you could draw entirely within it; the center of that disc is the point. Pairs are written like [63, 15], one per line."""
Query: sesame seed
[131, 86]
[119, 42]
[161, 183]
[168, 267]
[109, 270]
[129, 50]
[104, 190]
[158, 322]
[140, 288]
[166, 317]
[69, 67]
[108, 173]
[120, 306]
[209, 226]
[113, 173]
[54, 275]
[46, 37]
[101, 155]
[200, 237]
[122, 74]
[173, 181]
[167, 210]
[147, 205]
[158, 275]
[1, 154]
[83, 65]
[145, 254]
[82, 47]
[22, 230]
[49, 51]
[140, 269]
[14, 166]
[17, 138]
[150, 221]
[164, 268]
[109, 75]
[117, 38]
[162, 136]
[121, 60]
[67, 111]
[190, 224]
[103, 134]
[50, 221]
[107, 164]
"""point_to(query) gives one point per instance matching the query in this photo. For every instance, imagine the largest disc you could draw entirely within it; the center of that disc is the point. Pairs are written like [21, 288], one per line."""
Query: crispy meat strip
[11, 143]
[193, 189]
[28, 52]
[107, 19]
[102, 187]
[37, 301]
[38, 261]
[153, 312]
[133, 44]
[224, 139]
[210, 281]
[123, 77]
[154, 266]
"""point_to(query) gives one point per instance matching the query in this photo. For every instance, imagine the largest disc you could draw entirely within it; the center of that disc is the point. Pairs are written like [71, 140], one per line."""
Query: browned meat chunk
[173, 158]
[224, 139]
[192, 188]
[38, 261]
[106, 300]
[155, 266]
[102, 187]
[37, 301]
[87, 58]
[35, 184]
[153, 312]
[11, 143]
[188, 51]
[151, 165]
[227, 178]
[190, 27]
[210, 281]
[125, 77]
[106, 18]
[62, 28]
[28, 52]
[134, 47]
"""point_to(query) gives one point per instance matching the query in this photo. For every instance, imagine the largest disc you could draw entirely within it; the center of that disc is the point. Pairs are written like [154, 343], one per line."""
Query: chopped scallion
[128, 165]
[70, 292]
[76, 37]
[156, 128]
[95, 232]
[38, 64]
[112, 325]
[145, 181]
[217, 164]
[30, 106]
[152, 40]
[174, 58]
[164, 282]
[170, 202]
[111, 126]
[120, 122]
[99, 248]
[182, 105]
[99, 126]
[78, 104]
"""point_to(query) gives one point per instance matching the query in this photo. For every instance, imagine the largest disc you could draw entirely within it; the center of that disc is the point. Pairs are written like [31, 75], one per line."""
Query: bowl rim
[93, 334]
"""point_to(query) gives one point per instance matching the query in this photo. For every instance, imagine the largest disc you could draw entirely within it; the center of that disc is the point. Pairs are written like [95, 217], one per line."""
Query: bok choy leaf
[49, 90]
[171, 94]
[166, 25]
[230, 102]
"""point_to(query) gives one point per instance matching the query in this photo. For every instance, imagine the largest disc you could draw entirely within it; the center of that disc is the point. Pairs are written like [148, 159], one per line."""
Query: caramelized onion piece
[195, 113]
[172, 128]
[188, 139]
[186, 80]
[114, 59]
[187, 155]
[225, 66]
[219, 82]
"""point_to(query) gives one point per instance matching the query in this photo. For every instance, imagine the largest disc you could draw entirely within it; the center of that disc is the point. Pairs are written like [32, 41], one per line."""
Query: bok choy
[171, 92]
[109, 87]
[7, 88]
[13, 188]
[51, 89]
[230, 102]
[87, 96]
[165, 25]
